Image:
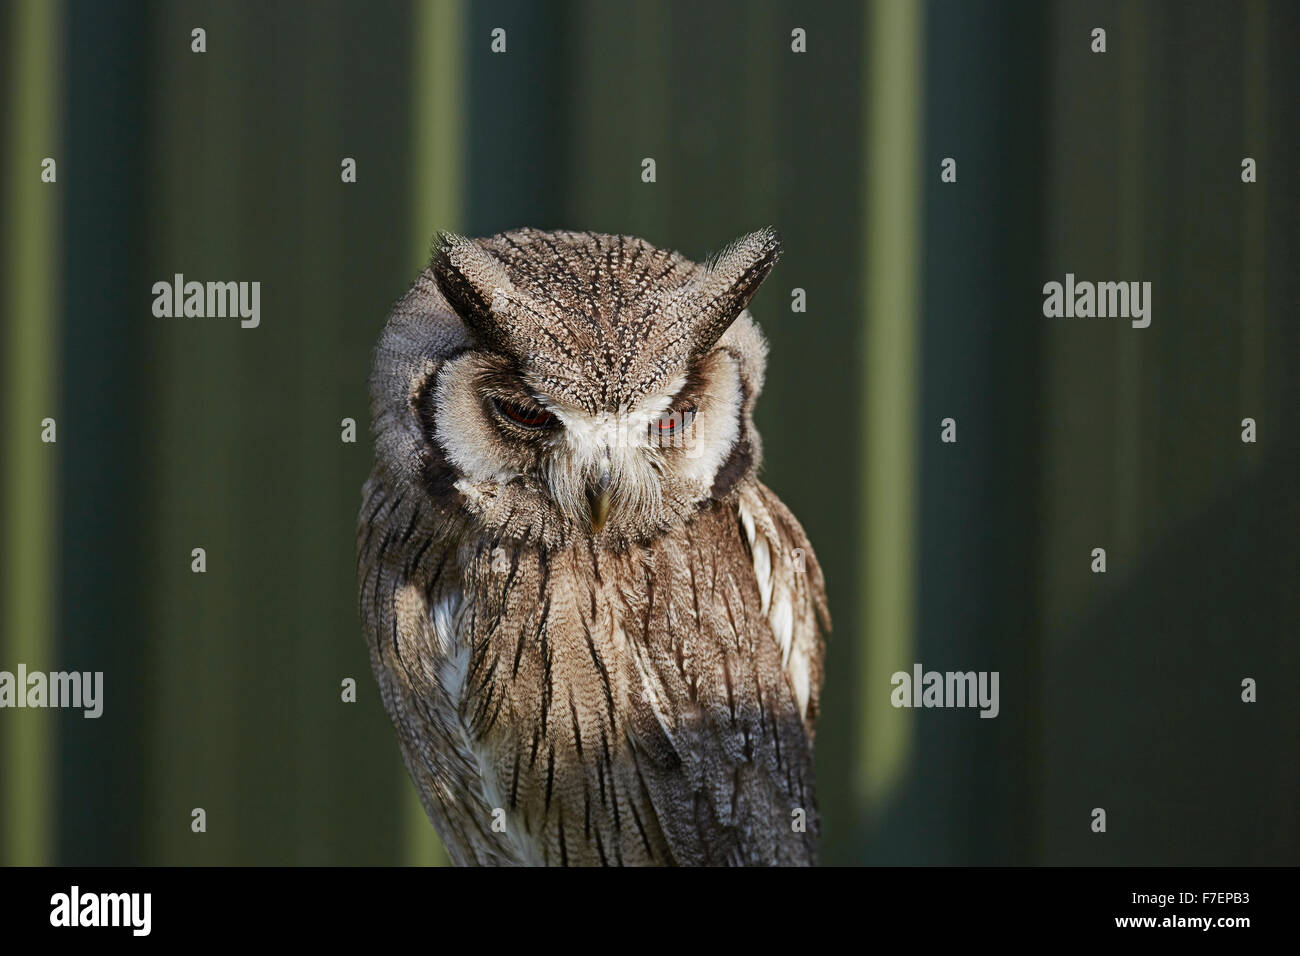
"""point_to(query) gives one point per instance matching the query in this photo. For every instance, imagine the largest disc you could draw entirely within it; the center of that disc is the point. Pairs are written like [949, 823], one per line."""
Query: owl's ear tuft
[729, 282]
[474, 283]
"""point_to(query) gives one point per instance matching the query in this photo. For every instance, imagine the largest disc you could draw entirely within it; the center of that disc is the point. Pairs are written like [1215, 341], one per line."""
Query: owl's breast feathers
[587, 706]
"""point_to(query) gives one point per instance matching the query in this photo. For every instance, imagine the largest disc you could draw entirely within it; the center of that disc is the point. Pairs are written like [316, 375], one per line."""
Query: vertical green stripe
[759, 118]
[1254, 229]
[1129, 405]
[31, 303]
[317, 132]
[890, 387]
[198, 748]
[437, 104]
[621, 72]
[438, 184]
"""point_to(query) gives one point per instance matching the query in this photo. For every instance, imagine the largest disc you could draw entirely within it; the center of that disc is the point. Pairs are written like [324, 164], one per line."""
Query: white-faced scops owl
[598, 634]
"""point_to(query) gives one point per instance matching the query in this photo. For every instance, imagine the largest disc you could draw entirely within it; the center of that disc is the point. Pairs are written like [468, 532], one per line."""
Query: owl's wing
[792, 591]
[408, 600]
[730, 672]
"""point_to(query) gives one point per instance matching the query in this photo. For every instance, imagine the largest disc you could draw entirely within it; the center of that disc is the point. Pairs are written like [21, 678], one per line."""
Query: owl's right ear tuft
[729, 281]
[475, 285]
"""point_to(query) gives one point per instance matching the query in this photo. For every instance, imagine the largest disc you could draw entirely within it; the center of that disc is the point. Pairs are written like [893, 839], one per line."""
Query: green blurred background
[1119, 691]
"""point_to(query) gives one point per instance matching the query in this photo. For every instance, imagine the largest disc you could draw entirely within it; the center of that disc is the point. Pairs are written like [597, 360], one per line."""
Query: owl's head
[554, 384]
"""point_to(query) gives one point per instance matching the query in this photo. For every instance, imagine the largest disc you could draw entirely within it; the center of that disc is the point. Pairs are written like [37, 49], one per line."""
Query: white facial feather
[463, 431]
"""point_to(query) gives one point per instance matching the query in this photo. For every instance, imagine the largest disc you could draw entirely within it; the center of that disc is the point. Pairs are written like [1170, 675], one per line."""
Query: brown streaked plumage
[598, 635]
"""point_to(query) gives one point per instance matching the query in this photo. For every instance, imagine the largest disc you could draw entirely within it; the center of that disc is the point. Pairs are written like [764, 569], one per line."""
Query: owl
[598, 635]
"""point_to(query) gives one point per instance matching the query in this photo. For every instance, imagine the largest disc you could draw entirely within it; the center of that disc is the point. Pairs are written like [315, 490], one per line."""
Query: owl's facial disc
[626, 472]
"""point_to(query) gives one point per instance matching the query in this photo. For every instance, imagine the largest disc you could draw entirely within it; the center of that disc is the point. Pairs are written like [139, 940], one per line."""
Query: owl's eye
[674, 422]
[524, 415]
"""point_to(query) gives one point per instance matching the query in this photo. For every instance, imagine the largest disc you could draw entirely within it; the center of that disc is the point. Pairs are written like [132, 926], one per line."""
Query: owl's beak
[598, 498]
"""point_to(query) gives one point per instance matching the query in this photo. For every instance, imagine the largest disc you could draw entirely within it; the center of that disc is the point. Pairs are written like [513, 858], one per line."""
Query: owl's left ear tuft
[729, 282]
[471, 280]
